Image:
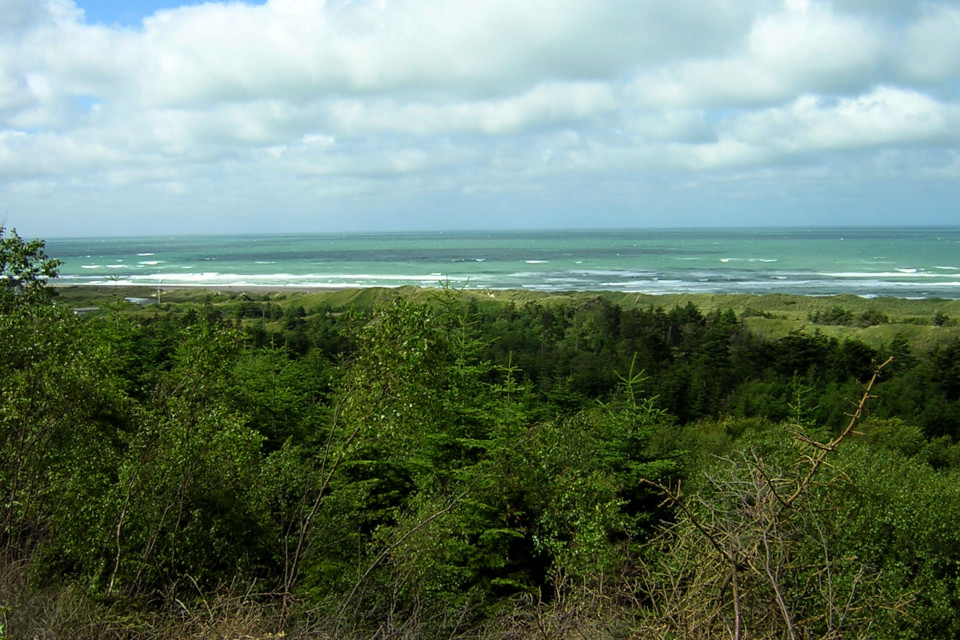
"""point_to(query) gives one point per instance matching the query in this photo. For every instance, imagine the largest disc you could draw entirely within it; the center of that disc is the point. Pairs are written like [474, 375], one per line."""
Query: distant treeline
[699, 364]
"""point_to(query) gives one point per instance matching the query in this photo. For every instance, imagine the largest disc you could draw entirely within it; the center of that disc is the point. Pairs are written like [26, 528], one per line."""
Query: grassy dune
[771, 315]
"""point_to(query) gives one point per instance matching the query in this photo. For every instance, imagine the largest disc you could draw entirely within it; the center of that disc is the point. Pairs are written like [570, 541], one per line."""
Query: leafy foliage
[446, 465]
[24, 269]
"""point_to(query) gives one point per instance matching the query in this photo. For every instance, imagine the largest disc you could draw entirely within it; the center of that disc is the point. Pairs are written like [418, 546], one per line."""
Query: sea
[903, 262]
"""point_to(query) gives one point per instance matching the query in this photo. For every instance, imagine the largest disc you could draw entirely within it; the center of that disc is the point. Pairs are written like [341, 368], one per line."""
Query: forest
[435, 463]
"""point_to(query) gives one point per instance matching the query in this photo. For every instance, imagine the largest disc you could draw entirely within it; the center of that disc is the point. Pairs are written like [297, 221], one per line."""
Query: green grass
[770, 316]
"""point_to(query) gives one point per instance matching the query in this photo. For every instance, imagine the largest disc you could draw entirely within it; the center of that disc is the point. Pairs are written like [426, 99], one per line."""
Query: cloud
[932, 46]
[362, 100]
[542, 106]
[801, 48]
[306, 49]
[884, 118]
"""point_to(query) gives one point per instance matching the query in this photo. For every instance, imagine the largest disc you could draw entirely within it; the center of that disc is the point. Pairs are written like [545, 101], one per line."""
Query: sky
[162, 117]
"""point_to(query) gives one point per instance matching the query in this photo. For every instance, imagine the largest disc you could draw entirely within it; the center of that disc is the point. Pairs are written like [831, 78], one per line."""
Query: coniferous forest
[436, 463]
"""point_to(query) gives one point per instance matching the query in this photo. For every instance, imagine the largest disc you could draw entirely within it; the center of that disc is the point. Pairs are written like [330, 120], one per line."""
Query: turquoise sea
[907, 262]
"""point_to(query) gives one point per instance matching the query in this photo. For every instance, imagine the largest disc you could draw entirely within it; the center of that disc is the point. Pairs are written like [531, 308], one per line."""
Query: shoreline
[695, 289]
[709, 300]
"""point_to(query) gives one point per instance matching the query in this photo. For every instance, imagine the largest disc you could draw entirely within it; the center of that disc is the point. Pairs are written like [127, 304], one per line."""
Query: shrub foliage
[443, 466]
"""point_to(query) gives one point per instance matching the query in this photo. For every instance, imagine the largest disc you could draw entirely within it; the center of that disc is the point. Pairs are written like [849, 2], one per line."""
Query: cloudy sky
[310, 115]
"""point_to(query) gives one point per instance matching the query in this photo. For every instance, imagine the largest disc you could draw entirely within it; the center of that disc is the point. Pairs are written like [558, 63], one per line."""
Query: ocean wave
[213, 278]
[606, 273]
[566, 281]
[814, 286]
[714, 261]
[899, 273]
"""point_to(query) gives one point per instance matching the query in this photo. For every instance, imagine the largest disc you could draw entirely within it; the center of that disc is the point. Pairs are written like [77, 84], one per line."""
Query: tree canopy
[24, 270]
[437, 465]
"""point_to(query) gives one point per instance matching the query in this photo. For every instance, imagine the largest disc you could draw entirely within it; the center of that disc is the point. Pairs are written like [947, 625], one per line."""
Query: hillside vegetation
[431, 463]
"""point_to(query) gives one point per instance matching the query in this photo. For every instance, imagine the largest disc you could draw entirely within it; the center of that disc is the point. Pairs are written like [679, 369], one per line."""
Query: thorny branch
[749, 535]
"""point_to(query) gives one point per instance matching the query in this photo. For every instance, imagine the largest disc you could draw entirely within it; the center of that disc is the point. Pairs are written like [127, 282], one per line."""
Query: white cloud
[803, 47]
[886, 117]
[543, 106]
[371, 98]
[674, 125]
[931, 51]
[308, 49]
